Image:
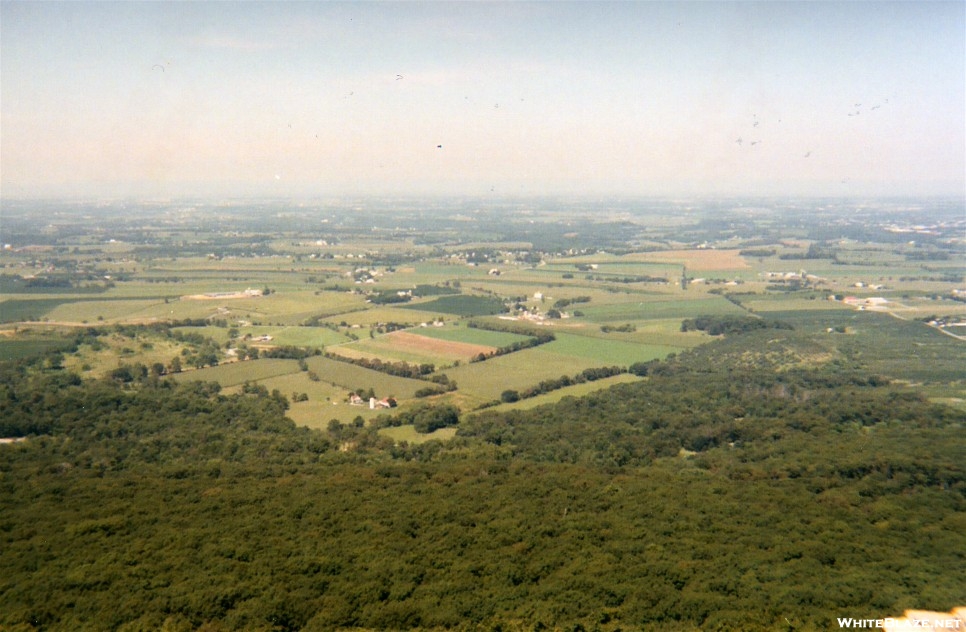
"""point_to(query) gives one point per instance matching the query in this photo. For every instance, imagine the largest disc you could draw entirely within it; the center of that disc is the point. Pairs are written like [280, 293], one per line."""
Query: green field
[577, 390]
[74, 308]
[460, 305]
[409, 434]
[379, 314]
[606, 352]
[235, 373]
[900, 349]
[351, 377]
[484, 381]
[15, 349]
[700, 305]
[297, 336]
[471, 335]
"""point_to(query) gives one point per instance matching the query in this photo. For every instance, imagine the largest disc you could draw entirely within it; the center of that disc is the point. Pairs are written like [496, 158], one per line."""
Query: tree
[509, 396]
[175, 364]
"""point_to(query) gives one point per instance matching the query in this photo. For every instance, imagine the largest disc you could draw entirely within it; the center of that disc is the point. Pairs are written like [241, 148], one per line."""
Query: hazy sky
[167, 99]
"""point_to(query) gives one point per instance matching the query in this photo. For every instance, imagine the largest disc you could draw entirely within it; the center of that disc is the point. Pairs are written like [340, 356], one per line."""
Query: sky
[294, 99]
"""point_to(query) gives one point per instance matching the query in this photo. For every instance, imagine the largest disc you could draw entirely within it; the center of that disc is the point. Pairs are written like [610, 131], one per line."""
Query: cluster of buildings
[385, 402]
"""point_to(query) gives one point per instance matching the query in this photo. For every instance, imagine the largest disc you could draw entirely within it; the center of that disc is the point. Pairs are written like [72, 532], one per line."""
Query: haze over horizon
[639, 98]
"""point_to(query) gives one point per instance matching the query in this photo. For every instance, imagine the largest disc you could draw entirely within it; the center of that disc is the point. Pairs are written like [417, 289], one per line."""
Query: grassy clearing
[235, 373]
[119, 350]
[408, 434]
[318, 413]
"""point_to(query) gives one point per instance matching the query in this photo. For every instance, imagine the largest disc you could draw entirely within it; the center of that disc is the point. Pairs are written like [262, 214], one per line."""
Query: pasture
[673, 307]
[375, 315]
[118, 350]
[471, 335]
[15, 349]
[353, 377]
[317, 413]
[485, 381]
[606, 352]
[298, 336]
[460, 305]
[236, 373]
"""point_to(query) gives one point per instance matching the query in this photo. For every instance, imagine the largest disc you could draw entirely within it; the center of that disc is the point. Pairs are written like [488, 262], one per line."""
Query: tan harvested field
[408, 347]
[406, 341]
[704, 259]
[217, 296]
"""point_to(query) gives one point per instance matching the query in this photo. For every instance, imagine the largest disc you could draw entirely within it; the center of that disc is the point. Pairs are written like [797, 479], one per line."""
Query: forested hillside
[717, 494]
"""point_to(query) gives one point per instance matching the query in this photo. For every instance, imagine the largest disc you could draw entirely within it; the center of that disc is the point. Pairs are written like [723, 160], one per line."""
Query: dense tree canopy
[709, 496]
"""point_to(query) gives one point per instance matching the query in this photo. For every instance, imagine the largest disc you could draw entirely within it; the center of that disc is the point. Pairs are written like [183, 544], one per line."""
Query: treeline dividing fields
[713, 495]
[720, 325]
[534, 339]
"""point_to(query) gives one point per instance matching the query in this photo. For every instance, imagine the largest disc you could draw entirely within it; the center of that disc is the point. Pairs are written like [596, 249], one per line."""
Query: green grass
[65, 309]
[352, 377]
[900, 349]
[235, 373]
[297, 336]
[461, 305]
[373, 316]
[13, 349]
[700, 305]
[470, 335]
[484, 381]
[607, 352]
[218, 334]
[577, 390]
[408, 434]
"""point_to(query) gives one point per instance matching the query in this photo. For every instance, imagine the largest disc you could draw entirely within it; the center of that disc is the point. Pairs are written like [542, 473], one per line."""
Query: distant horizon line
[473, 196]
